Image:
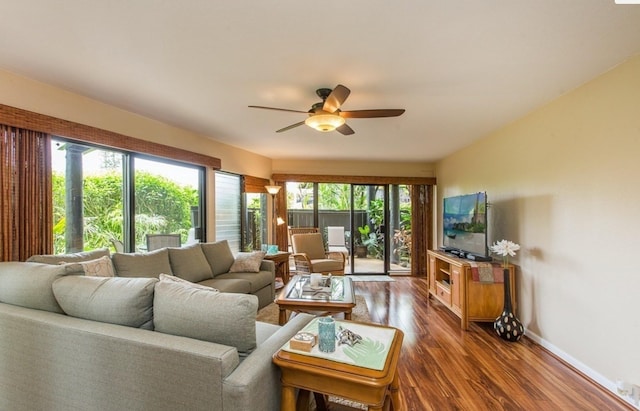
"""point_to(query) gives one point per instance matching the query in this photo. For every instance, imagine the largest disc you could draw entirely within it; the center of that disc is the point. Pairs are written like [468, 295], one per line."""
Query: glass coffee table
[334, 295]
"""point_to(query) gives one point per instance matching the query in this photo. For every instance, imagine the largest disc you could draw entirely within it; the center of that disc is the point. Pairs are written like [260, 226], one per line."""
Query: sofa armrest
[255, 383]
[88, 365]
[268, 265]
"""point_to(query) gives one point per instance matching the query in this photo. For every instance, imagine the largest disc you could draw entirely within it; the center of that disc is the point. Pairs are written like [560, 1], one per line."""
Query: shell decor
[348, 337]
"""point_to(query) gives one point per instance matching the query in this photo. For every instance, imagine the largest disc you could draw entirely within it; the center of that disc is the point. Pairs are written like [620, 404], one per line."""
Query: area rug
[360, 312]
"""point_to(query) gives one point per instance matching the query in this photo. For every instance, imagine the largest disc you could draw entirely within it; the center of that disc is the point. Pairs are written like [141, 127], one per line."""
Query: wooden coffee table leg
[394, 391]
[347, 315]
[282, 316]
[288, 398]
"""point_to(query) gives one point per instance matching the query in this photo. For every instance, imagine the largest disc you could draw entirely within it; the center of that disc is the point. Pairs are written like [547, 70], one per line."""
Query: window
[112, 198]
[228, 221]
[166, 200]
[255, 221]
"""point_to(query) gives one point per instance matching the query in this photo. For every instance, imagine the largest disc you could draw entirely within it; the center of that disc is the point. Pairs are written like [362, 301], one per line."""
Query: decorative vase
[326, 334]
[507, 325]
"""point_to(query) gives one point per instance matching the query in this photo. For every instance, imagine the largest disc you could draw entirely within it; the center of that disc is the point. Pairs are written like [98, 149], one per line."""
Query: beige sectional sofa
[211, 264]
[82, 342]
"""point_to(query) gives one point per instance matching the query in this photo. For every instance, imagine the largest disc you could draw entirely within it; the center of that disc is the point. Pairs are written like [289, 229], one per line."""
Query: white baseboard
[592, 374]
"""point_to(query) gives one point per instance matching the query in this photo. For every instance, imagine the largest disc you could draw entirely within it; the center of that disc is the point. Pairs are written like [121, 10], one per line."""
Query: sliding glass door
[368, 216]
[369, 223]
[399, 229]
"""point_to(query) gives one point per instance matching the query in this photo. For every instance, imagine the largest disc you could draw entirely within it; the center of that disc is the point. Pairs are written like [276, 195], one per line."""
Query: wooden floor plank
[444, 368]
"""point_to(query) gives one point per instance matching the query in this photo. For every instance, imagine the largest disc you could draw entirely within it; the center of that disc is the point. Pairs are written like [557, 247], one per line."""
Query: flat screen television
[464, 224]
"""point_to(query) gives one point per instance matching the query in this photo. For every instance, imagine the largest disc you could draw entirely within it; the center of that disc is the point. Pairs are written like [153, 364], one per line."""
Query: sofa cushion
[228, 285]
[223, 318]
[29, 285]
[71, 261]
[219, 256]
[190, 263]
[247, 262]
[256, 281]
[123, 301]
[324, 265]
[69, 258]
[174, 279]
[101, 267]
[150, 264]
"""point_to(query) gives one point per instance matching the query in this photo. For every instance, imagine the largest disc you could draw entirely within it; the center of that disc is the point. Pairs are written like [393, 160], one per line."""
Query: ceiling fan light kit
[324, 122]
[326, 116]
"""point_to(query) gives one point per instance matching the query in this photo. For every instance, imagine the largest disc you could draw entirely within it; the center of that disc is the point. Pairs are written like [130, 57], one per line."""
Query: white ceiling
[461, 69]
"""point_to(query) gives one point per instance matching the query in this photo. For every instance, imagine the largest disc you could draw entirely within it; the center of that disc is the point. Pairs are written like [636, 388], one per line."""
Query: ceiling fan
[326, 115]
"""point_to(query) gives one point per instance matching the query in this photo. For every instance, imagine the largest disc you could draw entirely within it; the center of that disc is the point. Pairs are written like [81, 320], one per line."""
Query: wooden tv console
[451, 282]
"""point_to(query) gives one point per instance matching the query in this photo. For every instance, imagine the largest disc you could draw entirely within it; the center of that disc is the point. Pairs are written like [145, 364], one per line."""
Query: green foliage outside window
[161, 206]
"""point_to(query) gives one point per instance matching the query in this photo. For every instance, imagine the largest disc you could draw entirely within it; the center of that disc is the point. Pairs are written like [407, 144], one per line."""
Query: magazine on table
[329, 288]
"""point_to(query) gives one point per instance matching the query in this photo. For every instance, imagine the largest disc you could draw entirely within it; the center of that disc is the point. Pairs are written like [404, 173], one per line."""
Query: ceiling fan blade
[290, 127]
[345, 129]
[279, 109]
[336, 98]
[371, 113]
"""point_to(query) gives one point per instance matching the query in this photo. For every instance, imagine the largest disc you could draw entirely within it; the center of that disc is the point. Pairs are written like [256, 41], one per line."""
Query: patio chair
[118, 245]
[336, 240]
[156, 241]
[310, 256]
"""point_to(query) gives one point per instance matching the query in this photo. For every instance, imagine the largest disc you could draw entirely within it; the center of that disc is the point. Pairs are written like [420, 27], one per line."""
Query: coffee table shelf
[341, 298]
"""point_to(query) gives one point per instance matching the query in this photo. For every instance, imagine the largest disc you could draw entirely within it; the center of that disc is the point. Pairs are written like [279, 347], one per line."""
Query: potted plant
[402, 241]
[361, 246]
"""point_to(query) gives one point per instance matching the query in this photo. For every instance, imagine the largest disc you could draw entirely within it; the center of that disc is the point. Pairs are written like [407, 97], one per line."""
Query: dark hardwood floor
[444, 368]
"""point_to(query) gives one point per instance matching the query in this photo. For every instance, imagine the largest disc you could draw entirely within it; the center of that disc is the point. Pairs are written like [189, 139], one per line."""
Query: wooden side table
[281, 260]
[379, 389]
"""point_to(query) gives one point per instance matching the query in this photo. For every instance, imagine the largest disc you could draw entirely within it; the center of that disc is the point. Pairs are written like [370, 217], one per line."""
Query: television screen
[464, 224]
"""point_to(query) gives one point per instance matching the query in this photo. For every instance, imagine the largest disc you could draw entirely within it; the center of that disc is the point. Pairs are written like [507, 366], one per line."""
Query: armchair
[300, 230]
[310, 256]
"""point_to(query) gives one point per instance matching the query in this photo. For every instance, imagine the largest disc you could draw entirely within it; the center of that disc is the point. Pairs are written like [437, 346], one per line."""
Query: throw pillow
[123, 301]
[247, 262]
[223, 318]
[102, 267]
[29, 285]
[219, 256]
[190, 263]
[72, 261]
[69, 258]
[185, 283]
[149, 264]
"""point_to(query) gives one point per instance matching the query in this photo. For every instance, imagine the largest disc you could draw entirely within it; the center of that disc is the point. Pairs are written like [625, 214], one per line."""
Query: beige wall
[45, 99]
[20, 92]
[563, 182]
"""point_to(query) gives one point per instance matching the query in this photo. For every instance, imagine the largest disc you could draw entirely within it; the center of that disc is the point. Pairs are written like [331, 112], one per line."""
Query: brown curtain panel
[421, 233]
[25, 194]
